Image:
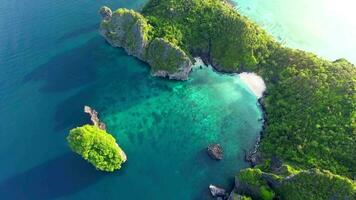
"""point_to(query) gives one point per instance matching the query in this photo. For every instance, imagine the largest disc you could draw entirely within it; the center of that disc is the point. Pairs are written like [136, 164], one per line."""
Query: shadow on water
[62, 176]
[107, 78]
[71, 69]
[70, 112]
[79, 32]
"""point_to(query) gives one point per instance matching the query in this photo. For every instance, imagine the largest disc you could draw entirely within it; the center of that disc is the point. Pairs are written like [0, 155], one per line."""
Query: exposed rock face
[215, 151]
[254, 156]
[127, 29]
[216, 191]
[271, 180]
[130, 30]
[105, 13]
[94, 117]
[168, 60]
[234, 196]
[276, 164]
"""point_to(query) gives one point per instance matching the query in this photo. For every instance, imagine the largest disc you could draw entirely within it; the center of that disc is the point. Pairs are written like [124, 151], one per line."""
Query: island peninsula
[307, 148]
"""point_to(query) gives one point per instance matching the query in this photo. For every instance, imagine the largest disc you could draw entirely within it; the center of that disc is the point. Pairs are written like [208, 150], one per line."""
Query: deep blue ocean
[53, 62]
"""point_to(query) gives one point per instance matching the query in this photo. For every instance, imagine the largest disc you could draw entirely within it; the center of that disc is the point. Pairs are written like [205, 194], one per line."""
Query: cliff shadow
[62, 176]
[70, 112]
[73, 68]
[78, 32]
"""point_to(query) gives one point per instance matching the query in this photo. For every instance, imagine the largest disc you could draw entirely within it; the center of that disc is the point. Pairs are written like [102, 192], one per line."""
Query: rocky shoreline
[114, 29]
[129, 30]
[254, 156]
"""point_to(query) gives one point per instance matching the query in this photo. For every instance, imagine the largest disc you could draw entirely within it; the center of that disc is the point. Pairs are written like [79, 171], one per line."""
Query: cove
[165, 127]
[53, 62]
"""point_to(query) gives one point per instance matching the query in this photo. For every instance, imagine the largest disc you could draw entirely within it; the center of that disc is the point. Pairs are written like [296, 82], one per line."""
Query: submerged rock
[94, 118]
[216, 191]
[215, 151]
[130, 30]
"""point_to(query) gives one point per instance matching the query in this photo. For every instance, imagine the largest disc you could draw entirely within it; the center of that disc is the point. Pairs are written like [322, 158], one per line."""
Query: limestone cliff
[127, 29]
[168, 60]
[130, 30]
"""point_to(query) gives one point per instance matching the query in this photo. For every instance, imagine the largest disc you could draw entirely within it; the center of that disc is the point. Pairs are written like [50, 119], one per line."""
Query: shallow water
[52, 63]
[325, 27]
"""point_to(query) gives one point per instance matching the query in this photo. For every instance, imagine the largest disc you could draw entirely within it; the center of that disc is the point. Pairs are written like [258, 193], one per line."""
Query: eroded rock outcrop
[130, 30]
[105, 13]
[168, 60]
[94, 118]
[215, 151]
[217, 192]
[127, 29]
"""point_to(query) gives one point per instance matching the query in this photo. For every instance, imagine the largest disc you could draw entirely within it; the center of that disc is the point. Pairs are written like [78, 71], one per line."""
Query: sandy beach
[254, 82]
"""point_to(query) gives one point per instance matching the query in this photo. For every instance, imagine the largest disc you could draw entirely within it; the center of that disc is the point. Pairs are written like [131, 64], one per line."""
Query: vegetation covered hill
[310, 102]
[97, 147]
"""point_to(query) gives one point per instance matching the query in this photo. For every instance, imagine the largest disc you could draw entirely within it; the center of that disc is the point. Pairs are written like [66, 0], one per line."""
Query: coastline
[287, 71]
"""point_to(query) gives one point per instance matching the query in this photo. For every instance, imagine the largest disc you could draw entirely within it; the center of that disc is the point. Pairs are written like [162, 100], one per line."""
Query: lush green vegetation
[289, 183]
[164, 55]
[310, 102]
[317, 185]
[311, 111]
[252, 180]
[97, 147]
[210, 29]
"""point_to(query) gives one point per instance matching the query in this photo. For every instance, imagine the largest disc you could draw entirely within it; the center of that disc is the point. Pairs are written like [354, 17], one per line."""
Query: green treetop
[97, 147]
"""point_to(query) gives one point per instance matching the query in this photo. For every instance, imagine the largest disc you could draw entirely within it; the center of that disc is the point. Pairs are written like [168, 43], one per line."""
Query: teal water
[325, 27]
[53, 62]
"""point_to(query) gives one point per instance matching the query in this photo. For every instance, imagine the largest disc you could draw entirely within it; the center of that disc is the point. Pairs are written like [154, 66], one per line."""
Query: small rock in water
[215, 151]
[94, 117]
[216, 191]
[105, 13]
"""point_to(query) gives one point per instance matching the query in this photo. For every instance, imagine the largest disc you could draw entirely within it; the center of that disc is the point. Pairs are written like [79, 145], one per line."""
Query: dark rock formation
[276, 164]
[105, 13]
[234, 196]
[94, 117]
[215, 151]
[217, 192]
[271, 180]
[254, 157]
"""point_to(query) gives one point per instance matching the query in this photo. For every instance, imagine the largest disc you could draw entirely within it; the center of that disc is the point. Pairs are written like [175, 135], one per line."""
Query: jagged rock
[94, 117]
[215, 151]
[127, 29]
[254, 157]
[168, 60]
[234, 196]
[105, 13]
[216, 191]
[130, 30]
[276, 164]
[271, 180]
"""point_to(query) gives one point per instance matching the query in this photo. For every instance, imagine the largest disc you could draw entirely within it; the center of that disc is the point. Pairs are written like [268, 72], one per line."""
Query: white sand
[254, 82]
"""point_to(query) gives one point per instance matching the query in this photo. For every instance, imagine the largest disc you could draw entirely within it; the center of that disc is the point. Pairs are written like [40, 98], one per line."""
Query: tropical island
[95, 145]
[307, 148]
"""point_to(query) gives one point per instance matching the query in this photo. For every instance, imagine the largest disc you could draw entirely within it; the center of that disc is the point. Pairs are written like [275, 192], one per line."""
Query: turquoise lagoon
[53, 62]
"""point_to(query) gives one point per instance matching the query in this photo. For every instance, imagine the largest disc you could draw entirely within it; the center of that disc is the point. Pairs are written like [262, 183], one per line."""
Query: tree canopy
[97, 147]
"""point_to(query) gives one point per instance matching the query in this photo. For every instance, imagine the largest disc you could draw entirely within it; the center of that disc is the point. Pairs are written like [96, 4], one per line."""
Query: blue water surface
[53, 62]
